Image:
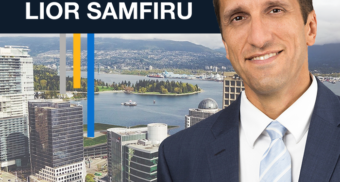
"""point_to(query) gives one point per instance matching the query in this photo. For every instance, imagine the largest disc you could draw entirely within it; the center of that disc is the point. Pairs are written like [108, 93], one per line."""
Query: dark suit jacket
[209, 150]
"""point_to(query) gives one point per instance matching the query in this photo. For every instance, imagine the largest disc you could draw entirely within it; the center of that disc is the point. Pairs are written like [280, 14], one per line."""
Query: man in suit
[284, 126]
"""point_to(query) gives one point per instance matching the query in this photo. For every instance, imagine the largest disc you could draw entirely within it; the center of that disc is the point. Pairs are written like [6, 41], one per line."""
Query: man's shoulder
[197, 135]
[183, 156]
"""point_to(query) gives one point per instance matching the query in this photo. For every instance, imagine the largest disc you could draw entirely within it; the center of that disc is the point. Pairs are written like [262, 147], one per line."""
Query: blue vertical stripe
[90, 85]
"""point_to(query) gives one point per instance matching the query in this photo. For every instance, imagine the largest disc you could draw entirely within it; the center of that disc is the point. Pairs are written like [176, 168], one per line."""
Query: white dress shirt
[254, 139]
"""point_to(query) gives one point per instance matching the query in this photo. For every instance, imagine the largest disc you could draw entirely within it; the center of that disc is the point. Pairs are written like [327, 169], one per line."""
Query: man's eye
[238, 18]
[275, 11]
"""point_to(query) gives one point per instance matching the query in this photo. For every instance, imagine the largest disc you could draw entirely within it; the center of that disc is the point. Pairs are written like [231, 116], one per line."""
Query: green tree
[191, 88]
[196, 87]
[43, 95]
[89, 178]
[178, 90]
[170, 89]
[164, 91]
[143, 89]
[43, 84]
[36, 85]
[69, 86]
[97, 89]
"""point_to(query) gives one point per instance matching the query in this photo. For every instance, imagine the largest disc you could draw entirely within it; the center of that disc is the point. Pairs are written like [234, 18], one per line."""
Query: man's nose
[259, 34]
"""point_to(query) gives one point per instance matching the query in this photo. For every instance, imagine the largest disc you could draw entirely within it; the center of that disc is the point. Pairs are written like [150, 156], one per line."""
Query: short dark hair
[306, 7]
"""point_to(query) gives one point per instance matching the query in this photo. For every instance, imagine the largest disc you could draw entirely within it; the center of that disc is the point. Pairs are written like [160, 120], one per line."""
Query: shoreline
[110, 91]
[122, 91]
[157, 78]
[192, 93]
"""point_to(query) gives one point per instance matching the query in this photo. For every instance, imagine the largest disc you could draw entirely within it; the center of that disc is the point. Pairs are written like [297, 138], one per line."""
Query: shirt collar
[296, 118]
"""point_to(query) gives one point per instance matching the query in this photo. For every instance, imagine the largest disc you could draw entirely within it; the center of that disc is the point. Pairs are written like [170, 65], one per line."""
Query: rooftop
[205, 110]
[158, 124]
[148, 148]
[128, 131]
[14, 51]
[48, 100]
[208, 104]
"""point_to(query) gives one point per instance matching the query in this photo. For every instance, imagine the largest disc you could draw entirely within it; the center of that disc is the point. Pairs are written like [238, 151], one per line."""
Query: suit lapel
[323, 141]
[223, 153]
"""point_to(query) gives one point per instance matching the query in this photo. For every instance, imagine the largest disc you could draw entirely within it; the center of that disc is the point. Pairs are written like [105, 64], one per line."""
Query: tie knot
[276, 130]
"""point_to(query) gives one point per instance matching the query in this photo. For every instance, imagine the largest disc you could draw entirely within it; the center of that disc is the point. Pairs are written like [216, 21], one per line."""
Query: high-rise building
[215, 69]
[16, 88]
[206, 108]
[133, 153]
[232, 88]
[56, 141]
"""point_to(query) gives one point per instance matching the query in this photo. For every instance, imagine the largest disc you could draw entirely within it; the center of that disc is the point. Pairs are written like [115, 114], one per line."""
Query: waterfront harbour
[169, 110]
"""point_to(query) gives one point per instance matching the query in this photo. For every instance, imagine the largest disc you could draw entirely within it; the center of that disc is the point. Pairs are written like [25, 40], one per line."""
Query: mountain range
[323, 58]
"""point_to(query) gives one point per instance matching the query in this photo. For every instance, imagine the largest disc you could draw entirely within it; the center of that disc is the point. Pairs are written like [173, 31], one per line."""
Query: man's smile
[263, 56]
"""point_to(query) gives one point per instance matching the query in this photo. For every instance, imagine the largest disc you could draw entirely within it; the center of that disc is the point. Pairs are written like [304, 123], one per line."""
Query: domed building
[206, 108]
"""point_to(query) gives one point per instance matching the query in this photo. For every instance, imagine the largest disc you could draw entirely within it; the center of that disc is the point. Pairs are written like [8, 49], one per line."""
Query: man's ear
[311, 28]
[226, 49]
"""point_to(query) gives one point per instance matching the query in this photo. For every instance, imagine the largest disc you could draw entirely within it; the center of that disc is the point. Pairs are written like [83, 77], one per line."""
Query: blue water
[169, 110]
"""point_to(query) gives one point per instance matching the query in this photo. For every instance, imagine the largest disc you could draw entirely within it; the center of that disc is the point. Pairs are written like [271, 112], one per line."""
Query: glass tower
[16, 88]
[133, 153]
[140, 163]
[117, 138]
[56, 134]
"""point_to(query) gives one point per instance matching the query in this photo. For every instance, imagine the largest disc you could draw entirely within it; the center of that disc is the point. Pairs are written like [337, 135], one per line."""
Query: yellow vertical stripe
[76, 61]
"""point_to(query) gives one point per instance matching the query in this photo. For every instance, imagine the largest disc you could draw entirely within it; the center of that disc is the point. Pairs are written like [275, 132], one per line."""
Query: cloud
[328, 14]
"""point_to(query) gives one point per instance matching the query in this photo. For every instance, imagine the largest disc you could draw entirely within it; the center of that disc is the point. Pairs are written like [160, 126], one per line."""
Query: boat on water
[130, 103]
[156, 76]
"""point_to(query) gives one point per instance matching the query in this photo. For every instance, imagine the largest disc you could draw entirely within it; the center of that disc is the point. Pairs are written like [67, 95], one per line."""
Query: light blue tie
[276, 162]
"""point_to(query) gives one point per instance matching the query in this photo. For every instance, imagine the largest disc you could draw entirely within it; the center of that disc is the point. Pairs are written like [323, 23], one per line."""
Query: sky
[328, 17]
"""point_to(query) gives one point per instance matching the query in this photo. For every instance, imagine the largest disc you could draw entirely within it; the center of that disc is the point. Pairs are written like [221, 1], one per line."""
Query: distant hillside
[36, 44]
[162, 53]
[44, 44]
[325, 58]
[115, 52]
[165, 45]
[222, 50]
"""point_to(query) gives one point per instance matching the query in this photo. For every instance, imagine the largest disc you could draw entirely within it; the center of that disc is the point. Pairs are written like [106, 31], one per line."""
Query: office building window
[226, 102]
[227, 89]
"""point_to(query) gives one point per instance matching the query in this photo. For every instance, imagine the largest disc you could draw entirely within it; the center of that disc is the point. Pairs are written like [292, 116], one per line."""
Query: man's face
[265, 41]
